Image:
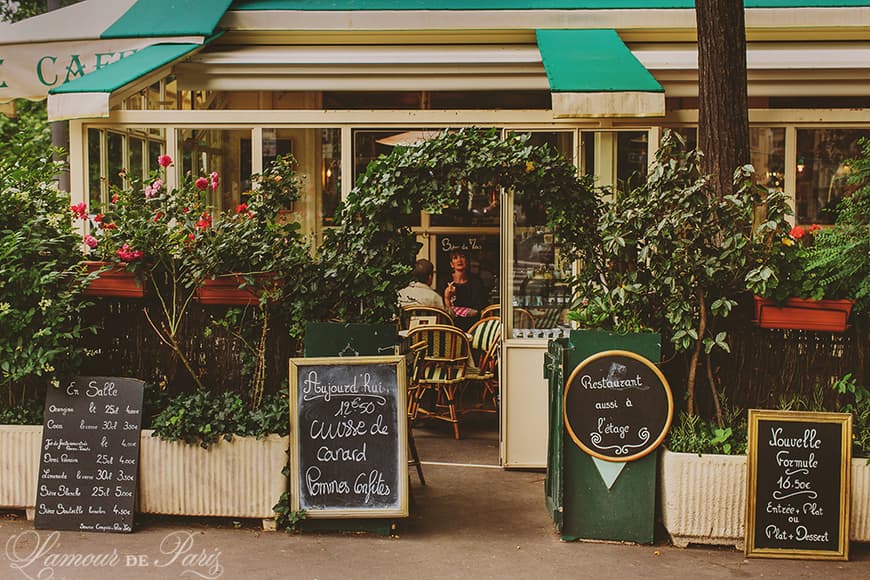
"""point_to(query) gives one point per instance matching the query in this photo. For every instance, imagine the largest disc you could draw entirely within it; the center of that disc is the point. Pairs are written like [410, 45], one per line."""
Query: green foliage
[692, 434]
[204, 418]
[366, 260]
[285, 518]
[27, 135]
[671, 253]
[854, 398]
[40, 281]
[27, 412]
[829, 263]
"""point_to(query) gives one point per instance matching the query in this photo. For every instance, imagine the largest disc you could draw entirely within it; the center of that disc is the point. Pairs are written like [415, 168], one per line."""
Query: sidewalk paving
[471, 520]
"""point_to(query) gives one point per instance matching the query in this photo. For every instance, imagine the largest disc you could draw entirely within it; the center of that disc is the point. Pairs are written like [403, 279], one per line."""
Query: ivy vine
[367, 259]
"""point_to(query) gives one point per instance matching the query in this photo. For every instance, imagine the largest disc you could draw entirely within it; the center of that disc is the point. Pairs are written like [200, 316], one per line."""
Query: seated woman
[464, 293]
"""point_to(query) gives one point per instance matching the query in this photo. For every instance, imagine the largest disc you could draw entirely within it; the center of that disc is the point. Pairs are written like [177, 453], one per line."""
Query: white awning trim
[82, 21]
[759, 56]
[78, 105]
[615, 104]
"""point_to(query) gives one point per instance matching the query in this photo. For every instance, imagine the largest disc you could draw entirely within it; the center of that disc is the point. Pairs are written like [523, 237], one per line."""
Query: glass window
[115, 144]
[631, 158]
[95, 195]
[822, 172]
[539, 287]
[330, 167]
[136, 163]
[369, 145]
[203, 151]
[767, 155]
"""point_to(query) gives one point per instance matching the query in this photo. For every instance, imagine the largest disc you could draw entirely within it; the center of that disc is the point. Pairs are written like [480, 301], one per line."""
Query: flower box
[240, 478]
[116, 281]
[703, 499]
[228, 289]
[803, 314]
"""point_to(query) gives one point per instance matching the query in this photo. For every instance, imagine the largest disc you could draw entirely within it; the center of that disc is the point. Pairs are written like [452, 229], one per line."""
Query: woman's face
[458, 262]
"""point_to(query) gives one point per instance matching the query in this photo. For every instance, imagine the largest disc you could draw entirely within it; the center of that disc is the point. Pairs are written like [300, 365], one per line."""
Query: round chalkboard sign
[618, 406]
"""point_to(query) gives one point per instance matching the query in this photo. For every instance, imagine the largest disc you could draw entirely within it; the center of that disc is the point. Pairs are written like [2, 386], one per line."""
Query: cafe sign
[618, 406]
[29, 71]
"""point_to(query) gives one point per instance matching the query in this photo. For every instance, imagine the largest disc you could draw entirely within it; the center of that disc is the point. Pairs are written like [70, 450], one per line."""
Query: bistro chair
[485, 345]
[493, 310]
[523, 318]
[418, 310]
[441, 357]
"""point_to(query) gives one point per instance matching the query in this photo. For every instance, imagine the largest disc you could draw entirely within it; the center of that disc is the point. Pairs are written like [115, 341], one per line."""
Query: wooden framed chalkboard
[349, 429]
[90, 455]
[617, 406]
[797, 498]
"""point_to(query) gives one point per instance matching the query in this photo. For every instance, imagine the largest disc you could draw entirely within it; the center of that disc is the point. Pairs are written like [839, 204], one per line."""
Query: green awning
[88, 96]
[159, 18]
[592, 73]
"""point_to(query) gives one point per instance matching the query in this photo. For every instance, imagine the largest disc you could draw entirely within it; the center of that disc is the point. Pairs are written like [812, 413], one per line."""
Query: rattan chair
[414, 310]
[485, 345]
[441, 357]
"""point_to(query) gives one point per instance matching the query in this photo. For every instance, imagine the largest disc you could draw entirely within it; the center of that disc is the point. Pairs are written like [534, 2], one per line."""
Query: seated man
[420, 291]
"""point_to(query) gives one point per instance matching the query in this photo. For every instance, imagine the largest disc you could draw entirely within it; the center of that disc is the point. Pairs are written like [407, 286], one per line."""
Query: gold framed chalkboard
[617, 406]
[797, 496]
[349, 437]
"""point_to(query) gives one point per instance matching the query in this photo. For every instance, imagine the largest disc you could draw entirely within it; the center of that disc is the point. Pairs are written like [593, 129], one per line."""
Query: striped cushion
[485, 333]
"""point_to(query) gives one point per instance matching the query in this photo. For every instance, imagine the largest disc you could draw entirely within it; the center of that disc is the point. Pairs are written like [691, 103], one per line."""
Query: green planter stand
[579, 501]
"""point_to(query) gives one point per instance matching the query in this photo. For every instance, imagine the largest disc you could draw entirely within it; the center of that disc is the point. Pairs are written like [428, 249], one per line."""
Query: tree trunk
[723, 113]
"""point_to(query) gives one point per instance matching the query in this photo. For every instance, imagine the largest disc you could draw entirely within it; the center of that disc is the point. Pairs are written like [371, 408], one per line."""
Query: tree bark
[723, 110]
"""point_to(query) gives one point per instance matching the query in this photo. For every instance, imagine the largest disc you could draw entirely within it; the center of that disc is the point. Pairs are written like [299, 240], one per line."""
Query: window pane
[136, 164]
[369, 145]
[767, 155]
[116, 159]
[631, 158]
[95, 196]
[540, 293]
[822, 171]
[330, 161]
[203, 151]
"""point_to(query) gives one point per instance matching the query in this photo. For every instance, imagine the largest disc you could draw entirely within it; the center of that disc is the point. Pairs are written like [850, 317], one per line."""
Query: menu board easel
[349, 450]
[90, 455]
[799, 465]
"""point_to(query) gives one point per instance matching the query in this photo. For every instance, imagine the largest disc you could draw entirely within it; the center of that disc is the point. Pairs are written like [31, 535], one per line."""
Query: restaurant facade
[228, 86]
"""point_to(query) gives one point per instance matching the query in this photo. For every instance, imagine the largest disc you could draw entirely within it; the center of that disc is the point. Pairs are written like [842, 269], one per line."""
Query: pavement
[472, 520]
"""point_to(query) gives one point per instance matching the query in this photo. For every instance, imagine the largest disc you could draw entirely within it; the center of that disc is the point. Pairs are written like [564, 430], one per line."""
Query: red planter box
[225, 290]
[803, 314]
[116, 281]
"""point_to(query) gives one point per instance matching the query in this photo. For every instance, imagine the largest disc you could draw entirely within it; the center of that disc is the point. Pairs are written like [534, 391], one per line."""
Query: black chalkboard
[798, 484]
[349, 429]
[617, 406]
[90, 455]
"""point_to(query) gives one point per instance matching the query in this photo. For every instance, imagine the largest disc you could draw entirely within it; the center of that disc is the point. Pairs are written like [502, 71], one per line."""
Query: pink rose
[202, 183]
[215, 180]
[164, 160]
[90, 241]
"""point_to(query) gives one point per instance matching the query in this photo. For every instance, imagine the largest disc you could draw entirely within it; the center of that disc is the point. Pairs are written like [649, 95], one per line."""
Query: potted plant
[812, 277]
[703, 468]
[244, 255]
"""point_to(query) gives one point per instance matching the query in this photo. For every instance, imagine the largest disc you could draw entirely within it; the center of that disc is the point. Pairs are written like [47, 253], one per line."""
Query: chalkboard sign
[90, 455]
[617, 406]
[798, 484]
[349, 428]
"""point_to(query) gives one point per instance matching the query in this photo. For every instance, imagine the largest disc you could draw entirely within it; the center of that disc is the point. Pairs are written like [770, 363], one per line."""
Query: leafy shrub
[204, 418]
[692, 434]
[28, 412]
[40, 280]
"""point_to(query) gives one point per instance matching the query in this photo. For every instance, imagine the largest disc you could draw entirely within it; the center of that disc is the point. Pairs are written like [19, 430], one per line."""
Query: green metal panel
[339, 5]
[592, 61]
[582, 506]
[126, 70]
[349, 339]
[159, 18]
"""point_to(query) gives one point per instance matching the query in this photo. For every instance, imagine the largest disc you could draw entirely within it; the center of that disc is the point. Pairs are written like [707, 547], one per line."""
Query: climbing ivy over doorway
[368, 257]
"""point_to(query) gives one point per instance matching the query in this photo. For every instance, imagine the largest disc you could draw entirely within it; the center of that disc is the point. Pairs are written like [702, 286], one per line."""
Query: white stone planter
[859, 529]
[19, 466]
[240, 478]
[703, 498]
